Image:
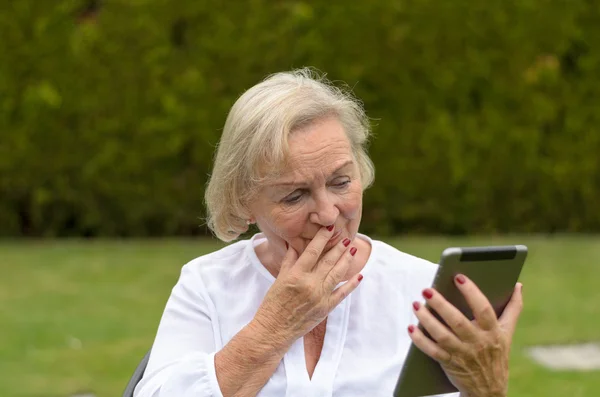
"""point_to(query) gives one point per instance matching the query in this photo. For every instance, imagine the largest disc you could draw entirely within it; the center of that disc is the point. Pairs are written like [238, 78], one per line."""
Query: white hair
[255, 137]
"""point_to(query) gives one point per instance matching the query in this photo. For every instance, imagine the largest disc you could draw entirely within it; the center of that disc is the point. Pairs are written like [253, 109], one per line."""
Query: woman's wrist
[273, 340]
[247, 362]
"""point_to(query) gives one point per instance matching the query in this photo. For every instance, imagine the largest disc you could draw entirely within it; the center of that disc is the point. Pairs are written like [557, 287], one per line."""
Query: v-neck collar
[298, 382]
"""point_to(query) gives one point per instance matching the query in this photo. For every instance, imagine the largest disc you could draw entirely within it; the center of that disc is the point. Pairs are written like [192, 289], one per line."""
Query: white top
[366, 339]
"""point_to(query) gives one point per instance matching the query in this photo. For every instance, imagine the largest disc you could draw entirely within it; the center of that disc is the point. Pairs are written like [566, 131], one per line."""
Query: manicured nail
[287, 246]
[346, 242]
[427, 293]
[330, 227]
[416, 306]
[352, 251]
[411, 329]
[461, 279]
[360, 277]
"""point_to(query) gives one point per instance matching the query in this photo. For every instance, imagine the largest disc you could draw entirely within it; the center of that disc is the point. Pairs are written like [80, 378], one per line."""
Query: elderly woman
[288, 312]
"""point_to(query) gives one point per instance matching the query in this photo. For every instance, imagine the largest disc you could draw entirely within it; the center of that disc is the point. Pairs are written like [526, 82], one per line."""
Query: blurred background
[486, 131]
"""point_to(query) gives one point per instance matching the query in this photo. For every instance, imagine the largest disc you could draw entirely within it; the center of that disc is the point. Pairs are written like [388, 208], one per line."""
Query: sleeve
[181, 361]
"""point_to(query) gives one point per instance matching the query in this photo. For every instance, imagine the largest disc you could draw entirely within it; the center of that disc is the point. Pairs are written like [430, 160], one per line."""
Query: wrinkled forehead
[306, 157]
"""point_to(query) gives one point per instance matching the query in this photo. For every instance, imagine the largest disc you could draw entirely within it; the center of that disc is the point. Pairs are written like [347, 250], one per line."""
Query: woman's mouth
[335, 236]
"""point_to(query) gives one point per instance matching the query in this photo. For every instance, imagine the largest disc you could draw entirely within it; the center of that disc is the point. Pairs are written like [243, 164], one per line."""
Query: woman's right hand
[304, 292]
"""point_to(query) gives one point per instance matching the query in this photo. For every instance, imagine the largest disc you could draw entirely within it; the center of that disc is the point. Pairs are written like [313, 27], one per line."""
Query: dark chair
[137, 376]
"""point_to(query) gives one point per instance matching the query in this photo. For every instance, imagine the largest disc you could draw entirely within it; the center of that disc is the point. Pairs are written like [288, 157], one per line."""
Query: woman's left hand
[474, 354]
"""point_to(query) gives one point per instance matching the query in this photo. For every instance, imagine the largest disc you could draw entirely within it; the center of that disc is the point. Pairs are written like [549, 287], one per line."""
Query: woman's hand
[305, 290]
[474, 354]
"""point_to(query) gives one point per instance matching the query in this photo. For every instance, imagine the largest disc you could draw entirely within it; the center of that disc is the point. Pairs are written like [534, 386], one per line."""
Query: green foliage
[485, 113]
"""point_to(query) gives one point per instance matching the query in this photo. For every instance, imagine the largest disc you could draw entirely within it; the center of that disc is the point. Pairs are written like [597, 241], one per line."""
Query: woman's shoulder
[391, 258]
[224, 253]
[398, 274]
[221, 261]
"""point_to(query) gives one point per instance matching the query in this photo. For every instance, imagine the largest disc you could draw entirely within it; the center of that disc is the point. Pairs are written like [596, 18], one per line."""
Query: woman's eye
[342, 182]
[293, 198]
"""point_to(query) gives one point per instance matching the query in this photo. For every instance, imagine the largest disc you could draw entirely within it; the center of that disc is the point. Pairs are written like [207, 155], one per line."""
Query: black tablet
[495, 270]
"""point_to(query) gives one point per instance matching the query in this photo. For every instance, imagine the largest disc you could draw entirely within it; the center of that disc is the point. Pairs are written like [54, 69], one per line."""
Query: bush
[485, 115]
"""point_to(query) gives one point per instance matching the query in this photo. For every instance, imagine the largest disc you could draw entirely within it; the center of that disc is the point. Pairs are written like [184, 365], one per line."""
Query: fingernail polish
[346, 242]
[427, 293]
[330, 227]
[461, 279]
[411, 329]
[360, 277]
[416, 306]
[352, 251]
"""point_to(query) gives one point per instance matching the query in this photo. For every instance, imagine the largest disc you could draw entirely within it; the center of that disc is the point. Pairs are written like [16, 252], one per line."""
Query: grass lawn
[76, 316]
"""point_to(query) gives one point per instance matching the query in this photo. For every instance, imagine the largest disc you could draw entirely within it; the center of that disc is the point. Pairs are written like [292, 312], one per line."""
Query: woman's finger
[312, 253]
[438, 331]
[336, 273]
[428, 346]
[454, 318]
[511, 313]
[334, 256]
[340, 293]
[482, 309]
[290, 258]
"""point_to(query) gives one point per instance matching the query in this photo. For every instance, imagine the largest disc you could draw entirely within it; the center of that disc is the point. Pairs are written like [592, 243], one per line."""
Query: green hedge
[486, 114]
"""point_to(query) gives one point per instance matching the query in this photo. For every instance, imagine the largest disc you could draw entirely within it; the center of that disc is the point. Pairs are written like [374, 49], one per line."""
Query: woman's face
[319, 186]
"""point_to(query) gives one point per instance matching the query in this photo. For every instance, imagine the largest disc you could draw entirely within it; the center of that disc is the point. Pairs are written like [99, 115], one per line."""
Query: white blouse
[366, 338]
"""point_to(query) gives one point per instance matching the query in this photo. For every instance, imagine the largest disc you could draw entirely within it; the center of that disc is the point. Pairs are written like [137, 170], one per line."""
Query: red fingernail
[411, 329]
[461, 279]
[287, 246]
[360, 277]
[416, 306]
[427, 293]
[346, 242]
[330, 228]
[352, 251]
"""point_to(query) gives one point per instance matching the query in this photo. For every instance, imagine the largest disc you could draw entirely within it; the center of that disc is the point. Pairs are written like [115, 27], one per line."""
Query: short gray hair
[255, 137]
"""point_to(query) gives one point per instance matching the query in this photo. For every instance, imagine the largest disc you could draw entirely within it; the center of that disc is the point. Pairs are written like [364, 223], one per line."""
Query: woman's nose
[325, 211]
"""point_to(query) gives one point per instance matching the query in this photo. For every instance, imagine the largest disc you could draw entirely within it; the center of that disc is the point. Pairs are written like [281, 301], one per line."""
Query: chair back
[137, 376]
